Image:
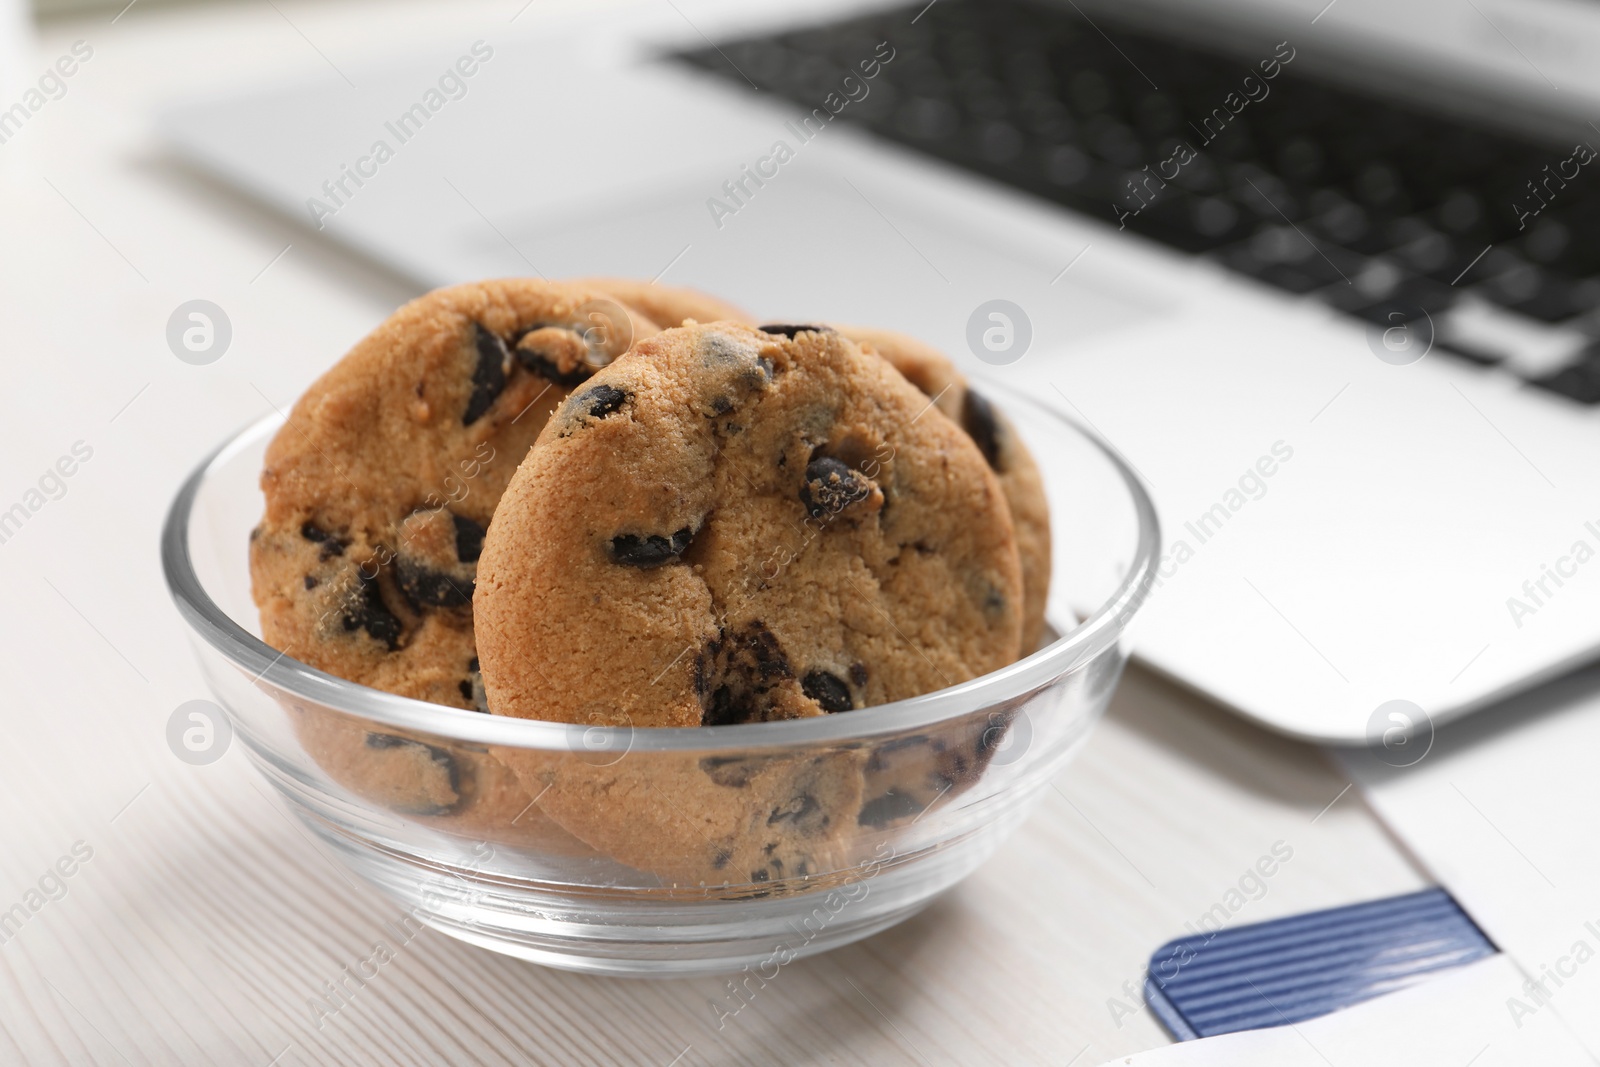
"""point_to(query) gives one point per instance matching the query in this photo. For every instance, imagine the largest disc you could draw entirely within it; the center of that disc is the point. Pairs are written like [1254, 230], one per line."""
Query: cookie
[761, 822]
[932, 372]
[729, 526]
[451, 786]
[379, 489]
[906, 775]
[382, 482]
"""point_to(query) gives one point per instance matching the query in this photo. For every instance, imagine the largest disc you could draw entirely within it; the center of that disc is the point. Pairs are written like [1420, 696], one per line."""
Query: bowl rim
[1100, 631]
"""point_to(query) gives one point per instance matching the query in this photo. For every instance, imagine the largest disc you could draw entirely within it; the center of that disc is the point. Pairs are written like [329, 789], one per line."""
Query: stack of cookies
[608, 503]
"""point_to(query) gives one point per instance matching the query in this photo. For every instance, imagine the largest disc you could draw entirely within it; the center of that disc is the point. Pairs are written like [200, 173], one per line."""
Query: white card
[1503, 808]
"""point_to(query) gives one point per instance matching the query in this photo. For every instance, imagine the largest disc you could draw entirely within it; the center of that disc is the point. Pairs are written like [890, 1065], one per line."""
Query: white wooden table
[204, 920]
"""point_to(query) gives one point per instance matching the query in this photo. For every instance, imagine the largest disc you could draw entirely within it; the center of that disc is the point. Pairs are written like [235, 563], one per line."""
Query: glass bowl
[631, 852]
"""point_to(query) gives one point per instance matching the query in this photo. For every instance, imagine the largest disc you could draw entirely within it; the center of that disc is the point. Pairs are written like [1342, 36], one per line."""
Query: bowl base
[580, 928]
[764, 962]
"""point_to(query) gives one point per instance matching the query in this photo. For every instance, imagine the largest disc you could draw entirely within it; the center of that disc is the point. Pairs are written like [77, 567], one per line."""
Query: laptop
[1327, 274]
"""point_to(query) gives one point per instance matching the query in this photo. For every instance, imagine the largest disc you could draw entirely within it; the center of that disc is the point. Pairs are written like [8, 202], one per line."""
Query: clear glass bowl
[891, 805]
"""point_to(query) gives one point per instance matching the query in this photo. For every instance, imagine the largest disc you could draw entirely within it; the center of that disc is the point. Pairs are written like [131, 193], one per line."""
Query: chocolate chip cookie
[379, 489]
[381, 484]
[450, 785]
[765, 821]
[932, 372]
[730, 525]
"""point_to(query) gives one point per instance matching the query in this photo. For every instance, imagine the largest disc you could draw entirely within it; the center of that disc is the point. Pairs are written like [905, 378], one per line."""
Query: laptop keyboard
[1386, 212]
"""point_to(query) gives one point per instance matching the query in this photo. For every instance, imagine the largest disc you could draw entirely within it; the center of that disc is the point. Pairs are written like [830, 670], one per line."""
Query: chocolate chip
[787, 330]
[701, 681]
[858, 674]
[891, 807]
[465, 686]
[831, 486]
[759, 876]
[441, 760]
[489, 376]
[600, 401]
[650, 551]
[311, 582]
[370, 613]
[978, 418]
[802, 812]
[435, 564]
[735, 674]
[543, 367]
[469, 539]
[539, 354]
[883, 756]
[331, 545]
[720, 858]
[990, 740]
[765, 652]
[734, 772]
[427, 588]
[727, 707]
[829, 691]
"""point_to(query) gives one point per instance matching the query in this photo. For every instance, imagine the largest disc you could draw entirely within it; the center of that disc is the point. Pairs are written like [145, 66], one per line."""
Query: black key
[1486, 263]
[1279, 275]
[1282, 258]
[1341, 220]
[1461, 268]
[1580, 381]
[1407, 301]
[1461, 212]
[1420, 247]
[1470, 353]
[1192, 223]
[1552, 303]
[1556, 300]
[1538, 293]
